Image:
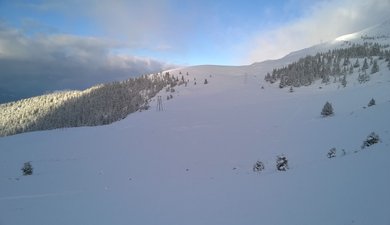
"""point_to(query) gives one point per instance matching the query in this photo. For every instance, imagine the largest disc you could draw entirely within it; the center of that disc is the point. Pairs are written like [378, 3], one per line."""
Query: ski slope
[192, 163]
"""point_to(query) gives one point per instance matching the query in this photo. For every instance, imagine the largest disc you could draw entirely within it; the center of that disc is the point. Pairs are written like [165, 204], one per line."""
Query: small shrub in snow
[331, 153]
[371, 103]
[371, 139]
[281, 163]
[27, 169]
[258, 167]
[327, 110]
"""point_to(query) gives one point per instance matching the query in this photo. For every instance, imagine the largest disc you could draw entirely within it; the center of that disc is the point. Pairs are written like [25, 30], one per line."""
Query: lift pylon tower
[159, 104]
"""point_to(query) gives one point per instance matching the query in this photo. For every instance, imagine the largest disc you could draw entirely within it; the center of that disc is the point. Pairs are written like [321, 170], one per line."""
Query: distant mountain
[376, 34]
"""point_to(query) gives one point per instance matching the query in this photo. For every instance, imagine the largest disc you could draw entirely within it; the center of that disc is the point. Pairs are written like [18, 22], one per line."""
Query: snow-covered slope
[376, 34]
[192, 163]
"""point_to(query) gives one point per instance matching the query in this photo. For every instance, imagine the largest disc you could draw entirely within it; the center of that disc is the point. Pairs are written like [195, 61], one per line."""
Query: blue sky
[183, 32]
[104, 40]
[179, 32]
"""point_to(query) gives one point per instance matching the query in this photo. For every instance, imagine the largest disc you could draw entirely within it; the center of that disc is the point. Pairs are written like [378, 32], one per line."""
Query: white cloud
[323, 21]
[151, 25]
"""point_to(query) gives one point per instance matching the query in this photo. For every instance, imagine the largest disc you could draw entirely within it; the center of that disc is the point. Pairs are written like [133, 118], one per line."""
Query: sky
[72, 44]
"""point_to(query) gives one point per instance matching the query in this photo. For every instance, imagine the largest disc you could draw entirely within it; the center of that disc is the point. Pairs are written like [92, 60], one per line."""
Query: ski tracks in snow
[20, 197]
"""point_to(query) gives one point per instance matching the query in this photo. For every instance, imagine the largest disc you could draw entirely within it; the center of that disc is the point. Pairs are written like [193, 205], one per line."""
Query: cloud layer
[322, 21]
[32, 65]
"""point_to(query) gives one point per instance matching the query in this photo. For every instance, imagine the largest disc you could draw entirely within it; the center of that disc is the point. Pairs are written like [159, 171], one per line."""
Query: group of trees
[335, 63]
[371, 139]
[281, 164]
[327, 110]
[99, 105]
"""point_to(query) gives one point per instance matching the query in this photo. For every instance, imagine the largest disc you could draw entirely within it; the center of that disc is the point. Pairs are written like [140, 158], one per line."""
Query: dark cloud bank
[34, 65]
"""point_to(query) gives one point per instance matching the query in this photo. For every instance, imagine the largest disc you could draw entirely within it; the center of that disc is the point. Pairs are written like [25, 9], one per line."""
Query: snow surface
[191, 164]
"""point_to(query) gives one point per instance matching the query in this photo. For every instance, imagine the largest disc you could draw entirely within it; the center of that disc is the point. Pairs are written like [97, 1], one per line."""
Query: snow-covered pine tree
[346, 61]
[371, 139]
[344, 81]
[365, 64]
[371, 102]
[331, 153]
[356, 64]
[351, 69]
[258, 167]
[375, 67]
[327, 110]
[281, 163]
[27, 169]
[268, 77]
[363, 77]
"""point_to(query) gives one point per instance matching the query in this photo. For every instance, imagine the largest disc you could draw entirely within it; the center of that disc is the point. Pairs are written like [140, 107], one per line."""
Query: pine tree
[344, 81]
[27, 169]
[371, 103]
[346, 62]
[331, 153]
[356, 65]
[375, 67]
[281, 163]
[365, 64]
[371, 139]
[327, 110]
[258, 167]
[363, 77]
[351, 69]
[267, 77]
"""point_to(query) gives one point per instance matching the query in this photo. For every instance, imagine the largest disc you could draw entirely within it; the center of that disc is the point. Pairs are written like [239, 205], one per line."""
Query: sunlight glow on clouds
[323, 21]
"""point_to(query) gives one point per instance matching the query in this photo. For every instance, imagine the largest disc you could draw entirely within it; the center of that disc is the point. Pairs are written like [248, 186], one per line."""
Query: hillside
[98, 105]
[192, 162]
[361, 53]
[377, 34]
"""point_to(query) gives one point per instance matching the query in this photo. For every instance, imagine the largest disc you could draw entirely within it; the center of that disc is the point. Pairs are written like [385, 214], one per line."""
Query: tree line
[98, 105]
[334, 64]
